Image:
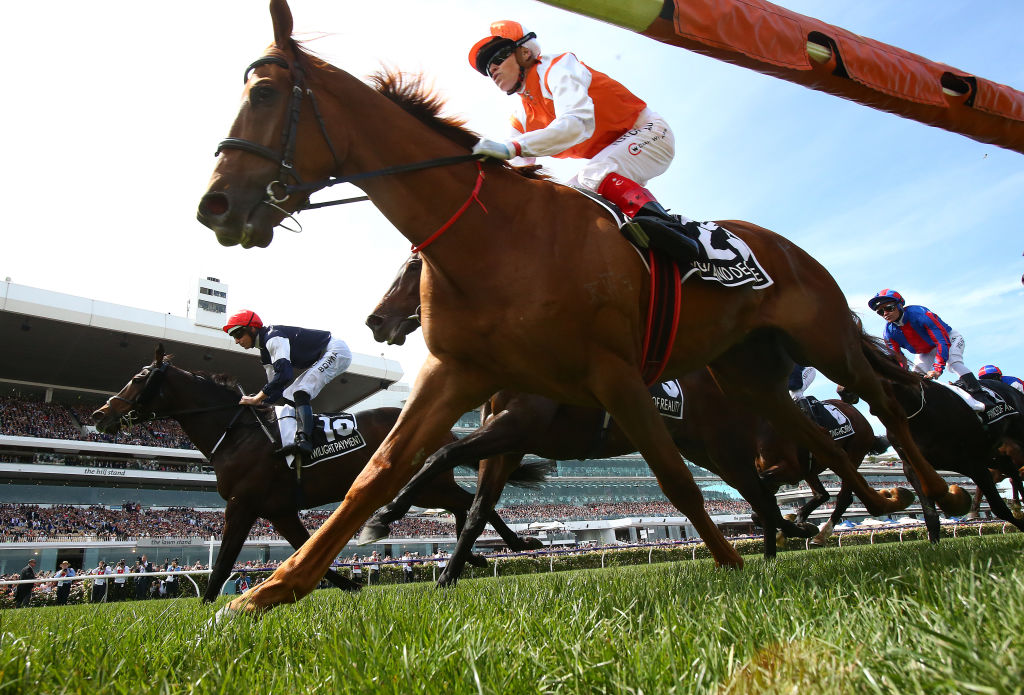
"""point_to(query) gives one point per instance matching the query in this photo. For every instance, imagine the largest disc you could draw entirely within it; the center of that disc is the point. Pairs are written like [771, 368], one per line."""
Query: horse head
[398, 312]
[274, 142]
[135, 402]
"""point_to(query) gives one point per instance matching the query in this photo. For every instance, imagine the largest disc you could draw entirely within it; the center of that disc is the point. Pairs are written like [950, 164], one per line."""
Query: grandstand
[68, 492]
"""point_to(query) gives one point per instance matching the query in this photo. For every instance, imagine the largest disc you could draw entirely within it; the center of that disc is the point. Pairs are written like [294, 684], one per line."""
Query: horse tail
[881, 359]
[879, 446]
[531, 474]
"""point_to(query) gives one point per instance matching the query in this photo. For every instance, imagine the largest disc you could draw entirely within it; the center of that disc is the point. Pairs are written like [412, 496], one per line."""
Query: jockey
[568, 109]
[990, 371]
[283, 350]
[799, 380]
[933, 343]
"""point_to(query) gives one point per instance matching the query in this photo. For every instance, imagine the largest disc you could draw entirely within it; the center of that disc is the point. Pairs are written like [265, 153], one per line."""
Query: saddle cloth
[831, 418]
[334, 435]
[724, 257]
[1001, 409]
[668, 398]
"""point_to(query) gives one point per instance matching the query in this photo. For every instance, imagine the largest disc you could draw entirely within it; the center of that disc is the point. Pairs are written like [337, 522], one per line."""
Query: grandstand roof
[75, 343]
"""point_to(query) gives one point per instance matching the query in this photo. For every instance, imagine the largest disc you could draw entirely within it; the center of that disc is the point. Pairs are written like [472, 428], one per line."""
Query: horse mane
[421, 101]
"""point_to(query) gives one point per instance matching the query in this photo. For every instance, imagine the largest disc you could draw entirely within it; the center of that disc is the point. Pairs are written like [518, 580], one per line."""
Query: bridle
[278, 191]
[154, 383]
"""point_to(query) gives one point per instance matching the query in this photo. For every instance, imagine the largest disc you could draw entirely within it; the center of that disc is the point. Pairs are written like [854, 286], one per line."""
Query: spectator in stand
[142, 584]
[374, 567]
[99, 585]
[242, 584]
[64, 587]
[171, 581]
[23, 594]
[120, 580]
[407, 567]
[357, 570]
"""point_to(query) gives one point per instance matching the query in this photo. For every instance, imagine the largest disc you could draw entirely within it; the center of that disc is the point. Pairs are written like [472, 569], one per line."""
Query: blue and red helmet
[885, 296]
[991, 371]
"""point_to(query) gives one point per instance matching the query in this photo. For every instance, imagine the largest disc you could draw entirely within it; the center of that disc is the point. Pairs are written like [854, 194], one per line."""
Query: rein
[284, 156]
[918, 411]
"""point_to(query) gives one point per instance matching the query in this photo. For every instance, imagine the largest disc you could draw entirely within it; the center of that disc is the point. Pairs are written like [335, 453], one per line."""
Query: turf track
[896, 618]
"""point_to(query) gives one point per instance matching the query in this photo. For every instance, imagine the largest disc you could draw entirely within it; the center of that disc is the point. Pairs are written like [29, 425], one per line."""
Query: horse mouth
[106, 422]
[233, 226]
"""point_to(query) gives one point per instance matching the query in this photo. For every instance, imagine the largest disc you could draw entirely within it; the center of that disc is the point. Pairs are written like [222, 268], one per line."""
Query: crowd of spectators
[35, 523]
[28, 416]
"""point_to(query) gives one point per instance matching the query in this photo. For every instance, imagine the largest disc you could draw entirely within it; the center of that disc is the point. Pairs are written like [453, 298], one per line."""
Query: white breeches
[924, 361]
[807, 375]
[335, 360]
[640, 154]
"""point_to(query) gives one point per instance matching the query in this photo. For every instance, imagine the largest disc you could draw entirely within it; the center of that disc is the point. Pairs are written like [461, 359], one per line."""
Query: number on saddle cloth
[334, 434]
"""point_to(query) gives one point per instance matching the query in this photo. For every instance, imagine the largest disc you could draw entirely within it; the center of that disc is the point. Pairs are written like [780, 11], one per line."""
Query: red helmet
[505, 35]
[990, 371]
[243, 319]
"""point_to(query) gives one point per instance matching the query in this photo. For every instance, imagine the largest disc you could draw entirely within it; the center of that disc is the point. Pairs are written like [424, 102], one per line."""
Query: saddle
[827, 416]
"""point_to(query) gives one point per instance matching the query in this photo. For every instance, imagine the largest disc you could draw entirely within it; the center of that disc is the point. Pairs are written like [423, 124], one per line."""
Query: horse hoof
[807, 530]
[477, 561]
[780, 539]
[898, 498]
[222, 616]
[446, 580]
[373, 532]
[531, 543]
[956, 501]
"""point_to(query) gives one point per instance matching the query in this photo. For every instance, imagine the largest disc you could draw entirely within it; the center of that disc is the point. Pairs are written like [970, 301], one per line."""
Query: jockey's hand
[933, 375]
[251, 400]
[492, 148]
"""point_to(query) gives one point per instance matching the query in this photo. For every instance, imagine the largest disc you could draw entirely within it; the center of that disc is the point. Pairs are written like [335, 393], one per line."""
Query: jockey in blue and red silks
[990, 371]
[568, 109]
[935, 345]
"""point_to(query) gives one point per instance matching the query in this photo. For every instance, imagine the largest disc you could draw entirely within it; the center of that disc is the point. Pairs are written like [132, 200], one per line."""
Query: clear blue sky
[113, 112]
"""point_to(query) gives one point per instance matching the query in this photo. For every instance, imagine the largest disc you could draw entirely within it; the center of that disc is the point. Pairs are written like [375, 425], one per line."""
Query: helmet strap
[519, 82]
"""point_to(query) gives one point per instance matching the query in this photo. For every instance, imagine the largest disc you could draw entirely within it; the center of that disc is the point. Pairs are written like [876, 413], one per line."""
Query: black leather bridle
[278, 190]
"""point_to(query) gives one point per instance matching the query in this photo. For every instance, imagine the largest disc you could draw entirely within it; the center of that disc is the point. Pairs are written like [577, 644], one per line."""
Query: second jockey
[990, 371]
[934, 344]
[568, 109]
[299, 362]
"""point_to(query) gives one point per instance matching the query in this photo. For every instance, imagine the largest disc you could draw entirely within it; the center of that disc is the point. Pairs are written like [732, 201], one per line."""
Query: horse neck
[378, 133]
[204, 428]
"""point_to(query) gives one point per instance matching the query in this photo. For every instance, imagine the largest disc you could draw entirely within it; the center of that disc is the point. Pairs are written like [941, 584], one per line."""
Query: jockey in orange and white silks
[568, 109]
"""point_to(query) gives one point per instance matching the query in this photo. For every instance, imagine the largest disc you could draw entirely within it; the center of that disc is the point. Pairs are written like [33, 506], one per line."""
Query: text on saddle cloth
[724, 257]
[1001, 409]
[831, 418]
[668, 399]
[334, 435]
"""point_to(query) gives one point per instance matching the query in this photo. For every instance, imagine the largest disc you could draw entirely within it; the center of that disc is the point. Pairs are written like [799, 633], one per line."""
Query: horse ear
[282, 16]
[158, 354]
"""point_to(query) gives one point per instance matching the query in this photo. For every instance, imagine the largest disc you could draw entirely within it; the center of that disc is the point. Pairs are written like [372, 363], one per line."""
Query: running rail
[760, 36]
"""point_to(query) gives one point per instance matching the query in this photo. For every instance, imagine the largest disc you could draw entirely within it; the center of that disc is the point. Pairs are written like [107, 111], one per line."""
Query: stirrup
[636, 234]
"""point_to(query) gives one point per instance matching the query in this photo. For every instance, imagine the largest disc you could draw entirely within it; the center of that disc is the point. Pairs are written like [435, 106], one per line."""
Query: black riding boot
[304, 431]
[665, 231]
[970, 384]
[805, 407]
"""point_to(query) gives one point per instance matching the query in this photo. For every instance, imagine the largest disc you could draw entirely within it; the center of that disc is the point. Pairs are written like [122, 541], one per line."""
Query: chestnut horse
[531, 288]
[256, 482]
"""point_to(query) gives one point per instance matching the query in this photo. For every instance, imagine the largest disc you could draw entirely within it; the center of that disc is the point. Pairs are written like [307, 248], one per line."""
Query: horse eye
[261, 94]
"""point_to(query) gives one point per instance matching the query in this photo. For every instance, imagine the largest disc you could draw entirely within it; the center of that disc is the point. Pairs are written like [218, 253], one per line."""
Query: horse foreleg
[844, 498]
[987, 485]
[443, 391]
[238, 521]
[292, 530]
[496, 472]
[619, 389]
[931, 515]
[819, 498]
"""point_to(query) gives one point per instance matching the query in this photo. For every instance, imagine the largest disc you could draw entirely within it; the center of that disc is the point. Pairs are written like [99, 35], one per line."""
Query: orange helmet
[506, 35]
[243, 319]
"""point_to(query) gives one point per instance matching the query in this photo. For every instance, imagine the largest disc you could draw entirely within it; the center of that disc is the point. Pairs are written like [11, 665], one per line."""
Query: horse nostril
[214, 205]
[374, 321]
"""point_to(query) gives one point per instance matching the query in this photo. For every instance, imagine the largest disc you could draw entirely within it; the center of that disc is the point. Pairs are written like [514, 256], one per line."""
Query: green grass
[898, 618]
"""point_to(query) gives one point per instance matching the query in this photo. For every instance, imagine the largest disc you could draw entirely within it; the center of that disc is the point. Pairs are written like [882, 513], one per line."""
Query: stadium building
[62, 356]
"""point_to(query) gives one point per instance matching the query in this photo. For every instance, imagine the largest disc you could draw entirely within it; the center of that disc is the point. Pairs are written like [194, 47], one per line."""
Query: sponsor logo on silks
[336, 436]
[844, 430]
[668, 399]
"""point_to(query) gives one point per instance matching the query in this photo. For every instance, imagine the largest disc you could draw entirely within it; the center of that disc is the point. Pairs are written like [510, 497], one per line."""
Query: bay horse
[530, 288]
[254, 481]
[950, 434]
[780, 462]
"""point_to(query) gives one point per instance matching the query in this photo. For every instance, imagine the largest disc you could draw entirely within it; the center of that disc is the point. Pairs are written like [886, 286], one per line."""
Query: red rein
[416, 248]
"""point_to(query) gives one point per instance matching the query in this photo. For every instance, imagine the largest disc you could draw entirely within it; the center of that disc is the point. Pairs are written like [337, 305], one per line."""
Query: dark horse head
[398, 312]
